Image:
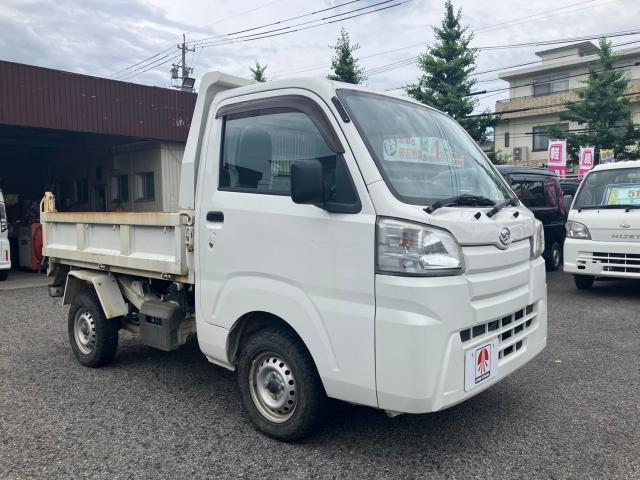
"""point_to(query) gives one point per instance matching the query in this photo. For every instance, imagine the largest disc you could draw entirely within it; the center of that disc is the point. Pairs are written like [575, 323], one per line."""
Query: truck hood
[609, 225]
[460, 221]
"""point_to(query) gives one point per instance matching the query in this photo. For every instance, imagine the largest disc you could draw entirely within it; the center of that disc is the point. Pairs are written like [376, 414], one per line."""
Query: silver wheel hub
[273, 387]
[84, 332]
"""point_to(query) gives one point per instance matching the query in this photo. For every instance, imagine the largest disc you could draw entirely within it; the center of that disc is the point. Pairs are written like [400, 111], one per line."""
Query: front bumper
[419, 348]
[602, 259]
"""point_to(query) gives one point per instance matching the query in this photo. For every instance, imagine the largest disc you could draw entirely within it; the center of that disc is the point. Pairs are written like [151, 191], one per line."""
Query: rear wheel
[93, 338]
[4, 274]
[583, 282]
[279, 385]
[554, 256]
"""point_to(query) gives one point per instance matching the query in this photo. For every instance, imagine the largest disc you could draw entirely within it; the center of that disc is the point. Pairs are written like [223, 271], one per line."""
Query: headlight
[577, 230]
[412, 249]
[537, 241]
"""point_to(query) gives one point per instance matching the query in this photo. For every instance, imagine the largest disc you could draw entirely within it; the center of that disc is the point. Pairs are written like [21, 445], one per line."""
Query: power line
[481, 29]
[563, 104]
[203, 40]
[550, 81]
[232, 33]
[411, 60]
[240, 39]
[534, 62]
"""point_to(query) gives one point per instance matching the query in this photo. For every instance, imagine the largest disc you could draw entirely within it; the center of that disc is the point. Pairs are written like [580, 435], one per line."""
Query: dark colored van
[539, 190]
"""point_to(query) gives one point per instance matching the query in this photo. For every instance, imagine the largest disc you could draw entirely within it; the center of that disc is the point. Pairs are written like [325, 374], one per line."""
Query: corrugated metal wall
[45, 98]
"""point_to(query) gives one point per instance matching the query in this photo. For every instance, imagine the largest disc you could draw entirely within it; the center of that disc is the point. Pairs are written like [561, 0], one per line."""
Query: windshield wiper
[464, 199]
[512, 202]
[608, 207]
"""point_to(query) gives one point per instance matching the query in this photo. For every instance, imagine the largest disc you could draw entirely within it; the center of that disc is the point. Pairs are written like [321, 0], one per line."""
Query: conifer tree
[257, 73]
[446, 82]
[344, 65]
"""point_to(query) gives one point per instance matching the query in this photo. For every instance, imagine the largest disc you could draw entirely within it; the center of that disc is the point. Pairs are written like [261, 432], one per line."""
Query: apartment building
[538, 92]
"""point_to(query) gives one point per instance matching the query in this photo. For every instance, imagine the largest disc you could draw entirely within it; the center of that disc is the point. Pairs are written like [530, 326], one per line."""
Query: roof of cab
[620, 164]
[321, 86]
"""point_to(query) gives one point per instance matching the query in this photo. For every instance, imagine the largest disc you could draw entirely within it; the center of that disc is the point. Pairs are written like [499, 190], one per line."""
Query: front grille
[511, 330]
[618, 262]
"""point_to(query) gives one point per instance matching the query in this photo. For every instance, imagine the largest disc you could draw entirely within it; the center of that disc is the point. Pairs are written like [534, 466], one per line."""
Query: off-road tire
[583, 282]
[106, 331]
[311, 400]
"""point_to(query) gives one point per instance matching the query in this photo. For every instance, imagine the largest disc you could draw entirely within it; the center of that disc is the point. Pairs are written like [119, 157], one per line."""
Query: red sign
[557, 157]
[586, 160]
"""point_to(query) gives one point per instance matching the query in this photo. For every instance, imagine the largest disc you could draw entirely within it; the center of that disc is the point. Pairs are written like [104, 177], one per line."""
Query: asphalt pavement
[571, 413]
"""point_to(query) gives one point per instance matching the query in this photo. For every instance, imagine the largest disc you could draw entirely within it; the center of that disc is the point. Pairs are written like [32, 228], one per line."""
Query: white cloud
[99, 38]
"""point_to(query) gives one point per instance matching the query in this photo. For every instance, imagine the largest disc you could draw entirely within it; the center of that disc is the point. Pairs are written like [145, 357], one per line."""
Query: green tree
[257, 73]
[446, 82]
[602, 111]
[344, 65]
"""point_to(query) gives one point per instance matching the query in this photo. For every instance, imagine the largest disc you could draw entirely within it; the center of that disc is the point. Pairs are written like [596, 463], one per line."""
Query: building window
[541, 136]
[145, 186]
[506, 139]
[258, 151]
[81, 191]
[551, 84]
[120, 188]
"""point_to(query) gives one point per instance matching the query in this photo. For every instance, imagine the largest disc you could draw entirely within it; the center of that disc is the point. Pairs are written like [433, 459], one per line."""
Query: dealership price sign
[586, 160]
[557, 157]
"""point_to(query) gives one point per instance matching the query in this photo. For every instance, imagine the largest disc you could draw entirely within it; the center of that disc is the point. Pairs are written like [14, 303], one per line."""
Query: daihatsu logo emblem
[625, 225]
[505, 237]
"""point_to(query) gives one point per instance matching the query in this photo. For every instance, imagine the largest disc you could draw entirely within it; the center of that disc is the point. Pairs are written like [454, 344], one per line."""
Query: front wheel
[93, 338]
[583, 282]
[279, 385]
[554, 256]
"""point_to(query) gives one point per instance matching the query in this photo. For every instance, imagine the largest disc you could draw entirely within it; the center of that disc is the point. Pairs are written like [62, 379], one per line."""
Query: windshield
[423, 155]
[613, 188]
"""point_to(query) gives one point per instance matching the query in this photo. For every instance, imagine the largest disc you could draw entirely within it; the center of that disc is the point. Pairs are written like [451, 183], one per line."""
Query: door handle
[217, 217]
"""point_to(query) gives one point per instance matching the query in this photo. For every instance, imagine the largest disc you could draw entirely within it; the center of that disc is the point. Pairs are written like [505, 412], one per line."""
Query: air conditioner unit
[520, 154]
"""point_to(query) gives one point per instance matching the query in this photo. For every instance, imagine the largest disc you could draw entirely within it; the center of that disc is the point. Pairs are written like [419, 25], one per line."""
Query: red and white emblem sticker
[481, 363]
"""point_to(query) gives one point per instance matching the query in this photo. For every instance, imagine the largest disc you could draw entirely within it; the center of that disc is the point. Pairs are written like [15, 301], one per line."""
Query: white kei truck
[603, 226]
[331, 242]
[5, 249]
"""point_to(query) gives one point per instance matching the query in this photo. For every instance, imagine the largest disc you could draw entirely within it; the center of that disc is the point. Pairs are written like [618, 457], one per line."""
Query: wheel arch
[105, 286]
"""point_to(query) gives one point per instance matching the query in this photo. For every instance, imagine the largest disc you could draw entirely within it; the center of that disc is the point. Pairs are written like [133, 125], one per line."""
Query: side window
[258, 150]
[530, 192]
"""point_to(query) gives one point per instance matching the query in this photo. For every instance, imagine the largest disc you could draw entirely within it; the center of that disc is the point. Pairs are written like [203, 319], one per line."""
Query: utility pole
[187, 81]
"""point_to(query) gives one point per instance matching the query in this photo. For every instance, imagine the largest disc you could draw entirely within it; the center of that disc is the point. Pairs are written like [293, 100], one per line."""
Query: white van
[331, 242]
[603, 227]
[5, 251]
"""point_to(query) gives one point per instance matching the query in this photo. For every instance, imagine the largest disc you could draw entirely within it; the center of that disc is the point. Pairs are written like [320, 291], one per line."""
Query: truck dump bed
[143, 244]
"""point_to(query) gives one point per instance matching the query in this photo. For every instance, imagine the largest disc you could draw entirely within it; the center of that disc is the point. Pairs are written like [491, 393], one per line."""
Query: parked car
[539, 190]
[5, 250]
[603, 228]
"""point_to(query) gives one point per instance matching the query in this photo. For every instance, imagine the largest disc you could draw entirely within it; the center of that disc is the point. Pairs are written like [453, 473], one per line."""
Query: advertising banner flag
[607, 155]
[557, 157]
[586, 160]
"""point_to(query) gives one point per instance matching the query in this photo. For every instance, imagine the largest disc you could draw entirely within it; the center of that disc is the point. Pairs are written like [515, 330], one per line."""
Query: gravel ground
[571, 413]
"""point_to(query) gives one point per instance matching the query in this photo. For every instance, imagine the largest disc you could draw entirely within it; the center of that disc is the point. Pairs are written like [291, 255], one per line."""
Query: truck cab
[331, 242]
[603, 228]
[5, 249]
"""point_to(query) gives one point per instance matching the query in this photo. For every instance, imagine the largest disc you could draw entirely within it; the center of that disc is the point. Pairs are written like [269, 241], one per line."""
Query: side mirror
[566, 202]
[307, 185]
